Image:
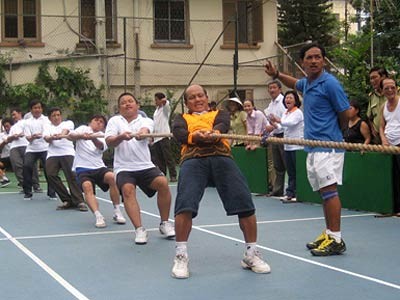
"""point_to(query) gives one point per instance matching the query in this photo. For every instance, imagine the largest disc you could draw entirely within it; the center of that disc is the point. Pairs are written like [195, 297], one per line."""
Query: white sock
[181, 248]
[97, 214]
[337, 235]
[251, 248]
[117, 209]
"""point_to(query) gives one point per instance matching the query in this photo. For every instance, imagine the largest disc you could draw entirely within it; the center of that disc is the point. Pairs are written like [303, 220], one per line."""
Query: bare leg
[132, 207]
[183, 226]
[248, 225]
[160, 184]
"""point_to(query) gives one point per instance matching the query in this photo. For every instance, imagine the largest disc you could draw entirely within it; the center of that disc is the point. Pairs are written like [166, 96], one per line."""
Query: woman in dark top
[357, 130]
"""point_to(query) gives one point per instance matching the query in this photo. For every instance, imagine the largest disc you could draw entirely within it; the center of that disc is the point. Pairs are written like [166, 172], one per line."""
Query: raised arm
[287, 80]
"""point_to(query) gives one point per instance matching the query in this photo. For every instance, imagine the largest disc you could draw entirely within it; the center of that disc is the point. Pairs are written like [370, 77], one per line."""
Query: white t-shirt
[62, 147]
[293, 126]
[161, 120]
[132, 155]
[277, 108]
[36, 125]
[5, 152]
[87, 155]
[17, 129]
[392, 128]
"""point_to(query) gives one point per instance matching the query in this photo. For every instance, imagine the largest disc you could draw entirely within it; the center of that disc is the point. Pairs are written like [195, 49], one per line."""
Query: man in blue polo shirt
[325, 113]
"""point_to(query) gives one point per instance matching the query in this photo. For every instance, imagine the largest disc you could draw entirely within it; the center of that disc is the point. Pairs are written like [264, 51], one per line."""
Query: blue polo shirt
[323, 99]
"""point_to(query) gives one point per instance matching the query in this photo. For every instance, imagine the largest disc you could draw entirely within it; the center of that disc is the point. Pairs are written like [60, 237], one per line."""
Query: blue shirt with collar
[323, 99]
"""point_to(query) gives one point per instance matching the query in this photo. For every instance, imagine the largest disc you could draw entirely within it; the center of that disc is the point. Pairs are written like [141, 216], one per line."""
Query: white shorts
[324, 169]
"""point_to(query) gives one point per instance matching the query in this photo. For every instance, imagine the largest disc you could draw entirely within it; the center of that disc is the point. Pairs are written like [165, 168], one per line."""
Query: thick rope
[302, 142]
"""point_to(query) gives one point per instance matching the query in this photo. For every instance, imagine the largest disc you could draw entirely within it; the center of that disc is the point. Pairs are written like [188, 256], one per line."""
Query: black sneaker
[28, 197]
[318, 241]
[5, 183]
[329, 247]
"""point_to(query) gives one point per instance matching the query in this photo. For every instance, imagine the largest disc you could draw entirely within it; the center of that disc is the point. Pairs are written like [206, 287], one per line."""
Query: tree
[302, 20]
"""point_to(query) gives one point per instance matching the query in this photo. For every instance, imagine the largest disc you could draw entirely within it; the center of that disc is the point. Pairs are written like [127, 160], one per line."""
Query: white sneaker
[167, 229]
[100, 222]
[119, 218]
[255, 263]
[180, 268]
[141, 236]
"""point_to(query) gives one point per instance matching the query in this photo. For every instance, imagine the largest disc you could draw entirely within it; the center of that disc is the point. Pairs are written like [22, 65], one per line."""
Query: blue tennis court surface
[49, 254]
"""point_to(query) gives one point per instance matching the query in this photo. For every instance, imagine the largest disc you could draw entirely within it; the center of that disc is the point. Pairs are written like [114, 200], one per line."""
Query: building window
[88, 20]
[250, 19]
[20, 20]
[170, 21]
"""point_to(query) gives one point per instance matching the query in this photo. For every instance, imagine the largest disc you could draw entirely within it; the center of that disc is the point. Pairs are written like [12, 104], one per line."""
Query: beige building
[143, 46]
[342, 7]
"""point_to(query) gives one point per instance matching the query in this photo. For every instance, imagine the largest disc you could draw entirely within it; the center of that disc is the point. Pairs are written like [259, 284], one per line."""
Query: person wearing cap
[238, 119]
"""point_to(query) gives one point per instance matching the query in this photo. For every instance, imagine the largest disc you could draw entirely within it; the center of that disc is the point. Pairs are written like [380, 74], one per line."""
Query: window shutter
[258, 27]
[229, 12]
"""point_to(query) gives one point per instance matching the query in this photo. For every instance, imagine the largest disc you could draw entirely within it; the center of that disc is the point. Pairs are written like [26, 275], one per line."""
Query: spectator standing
[207, 161]
[238, 119]
[161, 151]
[376, 100]
[292, 122]
[255, 122]
[133, 166]
[390, 131]
[60, 156]
[277, 109]
[325, 102]
[357, 130]
[91, 170]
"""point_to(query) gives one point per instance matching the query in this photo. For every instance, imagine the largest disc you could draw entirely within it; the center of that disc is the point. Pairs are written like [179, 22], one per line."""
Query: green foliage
[302, 20]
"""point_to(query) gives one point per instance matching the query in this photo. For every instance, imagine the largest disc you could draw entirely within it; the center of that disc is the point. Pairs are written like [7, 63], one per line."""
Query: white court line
[45, 267]
[284, 220]
[309, 261]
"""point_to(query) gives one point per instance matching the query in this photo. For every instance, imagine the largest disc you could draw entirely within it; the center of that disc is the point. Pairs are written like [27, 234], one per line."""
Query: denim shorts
[220, 172]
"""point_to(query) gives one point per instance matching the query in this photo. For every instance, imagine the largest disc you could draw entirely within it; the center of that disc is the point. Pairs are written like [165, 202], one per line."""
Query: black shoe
[274, 194]
[329, 247]
[38, 190]
[28, 197]
[5, 183]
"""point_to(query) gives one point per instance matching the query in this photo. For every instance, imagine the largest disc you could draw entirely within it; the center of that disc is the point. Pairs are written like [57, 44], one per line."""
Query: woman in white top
[292, 122]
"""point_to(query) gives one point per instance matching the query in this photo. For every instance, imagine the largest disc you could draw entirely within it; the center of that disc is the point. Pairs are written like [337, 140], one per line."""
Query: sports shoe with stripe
[180, 269]
[167, 229]
[100, 222]
[141, 236]
[255, 263]
[318, 241]
[119, 218]
[329, 247]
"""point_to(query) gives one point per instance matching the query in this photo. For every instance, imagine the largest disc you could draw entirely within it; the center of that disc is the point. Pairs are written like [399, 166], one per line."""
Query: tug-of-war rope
[302, 142]
[276, 140]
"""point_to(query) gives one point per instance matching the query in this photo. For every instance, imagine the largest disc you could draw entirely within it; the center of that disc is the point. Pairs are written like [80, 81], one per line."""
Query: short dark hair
[185, 92]
[356, 105]
[53, 109]
[159, 96]
[35, 102]
[380, 70]
[98, 116]
[127, 94]
[17, 109]
[307, 47]
[7, 120]
[297, 101]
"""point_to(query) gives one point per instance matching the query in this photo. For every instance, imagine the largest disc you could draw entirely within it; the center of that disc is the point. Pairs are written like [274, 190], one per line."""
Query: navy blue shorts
[142, 179]
[95, 177]
[218, 171]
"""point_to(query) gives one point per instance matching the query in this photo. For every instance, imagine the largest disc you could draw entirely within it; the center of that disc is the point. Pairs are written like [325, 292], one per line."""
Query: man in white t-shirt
[18, 143]
[5, 152]
[36, 149]
[276, 108]
[133, 166]
[60, 156]
[91, 170]
[161, 152]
